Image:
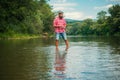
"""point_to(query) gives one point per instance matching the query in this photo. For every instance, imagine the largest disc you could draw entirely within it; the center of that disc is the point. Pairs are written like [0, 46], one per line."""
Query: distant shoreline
[29, 36]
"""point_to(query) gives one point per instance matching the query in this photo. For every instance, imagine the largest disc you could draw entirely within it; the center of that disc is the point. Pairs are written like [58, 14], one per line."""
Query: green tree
[25, 16]
[101, 15]
[101, 24]
[114, 19]
[86, 27]
[47, 16]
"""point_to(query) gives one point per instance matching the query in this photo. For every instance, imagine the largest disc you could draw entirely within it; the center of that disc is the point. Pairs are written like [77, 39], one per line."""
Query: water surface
[88, 58]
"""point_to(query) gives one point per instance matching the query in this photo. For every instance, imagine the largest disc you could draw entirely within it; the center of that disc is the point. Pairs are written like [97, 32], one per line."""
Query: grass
[18, 36]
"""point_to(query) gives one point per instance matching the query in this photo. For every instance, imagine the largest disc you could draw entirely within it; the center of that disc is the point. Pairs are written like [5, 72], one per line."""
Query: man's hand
[62, 27]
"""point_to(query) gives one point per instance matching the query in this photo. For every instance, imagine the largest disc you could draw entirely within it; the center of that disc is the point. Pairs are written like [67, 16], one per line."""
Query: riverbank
[44, 35]
[18, 36]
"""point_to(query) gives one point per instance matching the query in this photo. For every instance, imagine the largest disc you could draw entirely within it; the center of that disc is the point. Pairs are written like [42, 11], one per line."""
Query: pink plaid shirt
[59, 25]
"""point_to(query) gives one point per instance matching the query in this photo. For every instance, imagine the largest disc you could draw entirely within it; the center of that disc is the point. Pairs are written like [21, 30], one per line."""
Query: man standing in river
[59, 24]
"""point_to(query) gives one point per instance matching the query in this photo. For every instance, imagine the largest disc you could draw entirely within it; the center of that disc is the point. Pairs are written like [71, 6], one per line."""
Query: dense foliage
[36, 16]
[104, 25]
[25, 16]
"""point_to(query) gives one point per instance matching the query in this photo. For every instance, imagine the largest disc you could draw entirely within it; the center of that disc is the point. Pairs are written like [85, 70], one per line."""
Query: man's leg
[57, 41]
[67, 45]
[64, 36]
[56, 44]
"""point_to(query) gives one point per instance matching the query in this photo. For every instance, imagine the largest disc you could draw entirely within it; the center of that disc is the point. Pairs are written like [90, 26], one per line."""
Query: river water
[88, 58]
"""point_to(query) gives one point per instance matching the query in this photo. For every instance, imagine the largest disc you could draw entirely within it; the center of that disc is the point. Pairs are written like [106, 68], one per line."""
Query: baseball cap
[59, 12]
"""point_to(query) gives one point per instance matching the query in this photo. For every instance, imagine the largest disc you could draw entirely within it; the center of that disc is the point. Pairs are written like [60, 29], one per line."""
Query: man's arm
[55, 23]
[64, 24]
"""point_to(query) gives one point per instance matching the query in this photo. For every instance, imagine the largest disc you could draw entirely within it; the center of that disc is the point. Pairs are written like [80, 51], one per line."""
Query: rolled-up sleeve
[64, 24]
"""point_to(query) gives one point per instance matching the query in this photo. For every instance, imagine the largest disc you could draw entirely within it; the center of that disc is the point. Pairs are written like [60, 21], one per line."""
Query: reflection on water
[60, 64]
[88, 58]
